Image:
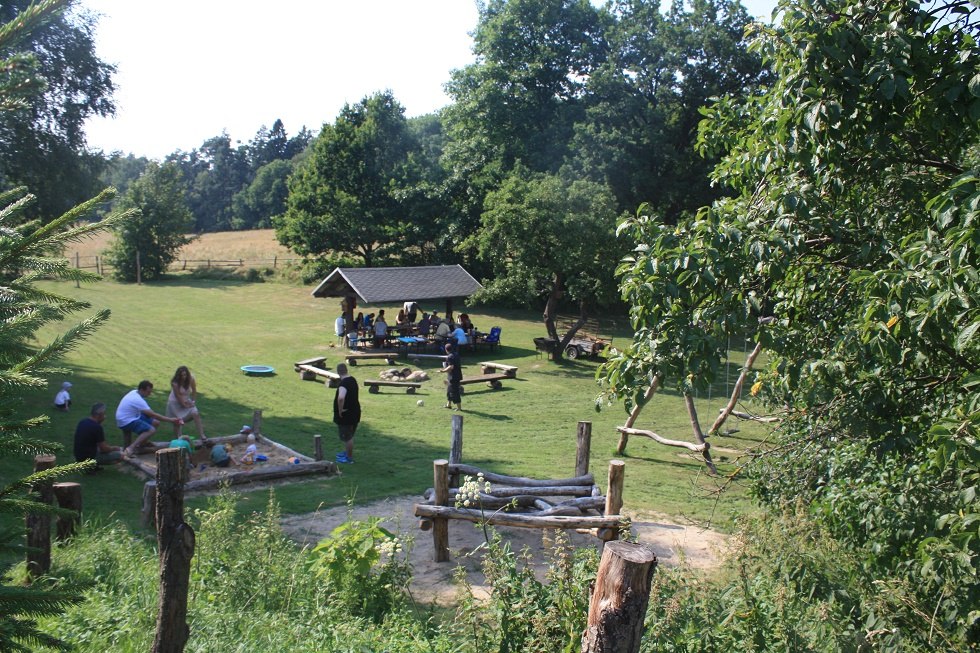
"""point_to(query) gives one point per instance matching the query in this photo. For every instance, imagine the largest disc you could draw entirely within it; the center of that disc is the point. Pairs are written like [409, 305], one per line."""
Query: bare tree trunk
[619, 601]
[551, 306]
[736, 391]
[175, 540]
[635, 413]
[582, 317]
[692, 411]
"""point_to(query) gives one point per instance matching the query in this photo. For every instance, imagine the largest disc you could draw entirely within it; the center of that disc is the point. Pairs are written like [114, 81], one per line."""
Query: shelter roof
[381, 285]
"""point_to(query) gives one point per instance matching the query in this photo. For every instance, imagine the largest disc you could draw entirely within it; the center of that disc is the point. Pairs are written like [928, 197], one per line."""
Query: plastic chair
[493, 338]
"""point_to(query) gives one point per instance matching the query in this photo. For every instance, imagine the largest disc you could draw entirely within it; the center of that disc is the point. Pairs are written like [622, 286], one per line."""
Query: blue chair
[493, 338]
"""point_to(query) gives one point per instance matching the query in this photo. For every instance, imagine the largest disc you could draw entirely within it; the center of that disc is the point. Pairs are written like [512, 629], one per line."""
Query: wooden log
[581, 505]
[69, 497]
[520, 520]
[586, 479]
[583, 447]
[614, 495]
[456, 444]
[541, 504]
[542, 491]
[149, 510]
[763, 419]
[440, 525]
[692, 412]
[257, 422]
[317, 447]
[425, 524]
[698, 448]
[175, 541]
[264, 474]
[39, 526]
[619, 601]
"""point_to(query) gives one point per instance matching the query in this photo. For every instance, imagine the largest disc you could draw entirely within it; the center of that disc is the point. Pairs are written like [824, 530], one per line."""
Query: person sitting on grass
[62, 400]
[135, 415]
[90, 441]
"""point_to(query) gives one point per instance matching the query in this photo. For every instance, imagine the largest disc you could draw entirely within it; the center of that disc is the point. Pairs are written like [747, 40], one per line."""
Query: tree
[265, 197]
[24, 309]
[550, 240]
[42, 142]
[151, 241]
[854, 230]
[346, 197]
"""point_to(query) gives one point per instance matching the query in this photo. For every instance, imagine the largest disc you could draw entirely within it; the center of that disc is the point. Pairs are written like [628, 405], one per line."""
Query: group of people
[134, 414]
[431, 327]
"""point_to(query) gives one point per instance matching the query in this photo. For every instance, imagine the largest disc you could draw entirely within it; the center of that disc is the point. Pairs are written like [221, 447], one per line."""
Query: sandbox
[206, 476]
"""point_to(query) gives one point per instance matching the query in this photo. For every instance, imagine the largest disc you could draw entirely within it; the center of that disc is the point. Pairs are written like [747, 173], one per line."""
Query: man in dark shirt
[346, 412]
[454, 369]
[90, 441]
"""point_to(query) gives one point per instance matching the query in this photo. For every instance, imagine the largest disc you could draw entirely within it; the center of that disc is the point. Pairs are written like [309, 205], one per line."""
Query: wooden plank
[388, 357]
[318, 361]
[493, 380]
[521, 481]
[522, 521]
[373, 385]
[510, 371]
[309, 373]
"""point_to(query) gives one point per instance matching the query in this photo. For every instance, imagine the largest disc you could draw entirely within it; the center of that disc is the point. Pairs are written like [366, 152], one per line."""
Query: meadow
[527, 428]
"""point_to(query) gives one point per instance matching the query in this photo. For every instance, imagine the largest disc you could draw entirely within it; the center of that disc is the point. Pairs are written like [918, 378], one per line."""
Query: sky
[188, 70]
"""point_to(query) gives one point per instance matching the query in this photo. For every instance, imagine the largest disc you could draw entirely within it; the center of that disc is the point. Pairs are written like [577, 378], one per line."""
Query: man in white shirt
[135, 415]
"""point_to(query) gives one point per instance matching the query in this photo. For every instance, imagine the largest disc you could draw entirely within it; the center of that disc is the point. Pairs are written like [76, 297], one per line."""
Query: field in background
[257, 245]
[528, 428]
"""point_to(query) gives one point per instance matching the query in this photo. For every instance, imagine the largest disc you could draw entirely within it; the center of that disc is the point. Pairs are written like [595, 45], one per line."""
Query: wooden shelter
[391, 285]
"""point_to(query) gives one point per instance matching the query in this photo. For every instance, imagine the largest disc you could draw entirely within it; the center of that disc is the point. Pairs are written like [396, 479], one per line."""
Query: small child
[184, 442]
[62, 400]
[250, 452]
[220, 455]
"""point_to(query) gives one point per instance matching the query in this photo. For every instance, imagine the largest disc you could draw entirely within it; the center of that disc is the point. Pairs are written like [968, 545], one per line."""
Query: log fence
[520, 501]
[100, 266]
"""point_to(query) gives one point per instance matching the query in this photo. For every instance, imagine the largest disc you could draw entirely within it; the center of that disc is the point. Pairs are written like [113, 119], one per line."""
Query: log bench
[309, 373]
[317, 361]
[388, 356]
[374, 385]
[492, 380]
[418, 358]
[510, 371]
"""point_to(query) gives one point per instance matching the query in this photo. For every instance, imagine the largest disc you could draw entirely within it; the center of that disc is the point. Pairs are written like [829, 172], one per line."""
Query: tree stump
[69, 497]
[39, 526]
[440, 525]
[175, 540]
[619, 601]
[583, 447]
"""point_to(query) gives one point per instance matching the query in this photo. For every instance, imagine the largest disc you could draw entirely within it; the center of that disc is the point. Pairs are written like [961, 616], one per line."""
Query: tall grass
[252, 245]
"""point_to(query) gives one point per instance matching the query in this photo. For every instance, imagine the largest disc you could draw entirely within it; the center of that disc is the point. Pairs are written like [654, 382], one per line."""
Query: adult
[454, 371]
[346, 412]
[182, 402]
[62, 400]
[443, 330]
[90, 441]
[135, 415]
[380, 331]
[340, 328]
[459, 335]
[425, 325]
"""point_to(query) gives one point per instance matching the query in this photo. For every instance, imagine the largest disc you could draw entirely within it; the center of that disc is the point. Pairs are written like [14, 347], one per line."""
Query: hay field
[254, 245]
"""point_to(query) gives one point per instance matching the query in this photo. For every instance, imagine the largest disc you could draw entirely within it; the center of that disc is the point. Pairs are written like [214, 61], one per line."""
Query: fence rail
[100, 266]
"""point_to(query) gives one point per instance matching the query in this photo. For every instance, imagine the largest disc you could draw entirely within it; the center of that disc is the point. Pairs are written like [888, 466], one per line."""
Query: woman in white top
[182, 402]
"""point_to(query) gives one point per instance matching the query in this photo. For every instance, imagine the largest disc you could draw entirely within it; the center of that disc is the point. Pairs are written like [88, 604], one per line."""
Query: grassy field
[214, 327]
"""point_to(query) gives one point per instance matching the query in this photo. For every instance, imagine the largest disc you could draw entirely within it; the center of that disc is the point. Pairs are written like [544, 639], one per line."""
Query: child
[184, 442]
[62, 400]
[220, 455]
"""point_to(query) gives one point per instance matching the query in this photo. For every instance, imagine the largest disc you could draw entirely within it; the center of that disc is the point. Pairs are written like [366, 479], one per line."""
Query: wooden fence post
[619, 600]
[257, 422]
[175, 540]
[39, 526]
[149, 509]
[440, 525]
[317, 447]
[69, 496]
[456, 447]
[614, 497]
[582, 448]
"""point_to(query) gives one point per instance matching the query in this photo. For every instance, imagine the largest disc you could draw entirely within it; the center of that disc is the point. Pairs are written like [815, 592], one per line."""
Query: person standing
[135, 415]
[454, 369]
[182, 402]
[90, 441]
[346, 412]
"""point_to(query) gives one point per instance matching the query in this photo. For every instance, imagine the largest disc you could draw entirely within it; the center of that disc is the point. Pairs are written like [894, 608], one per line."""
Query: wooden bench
[374, 385]
[492, 380]
[388, 356]
[309, 373]
[319, 362]
[510, 371]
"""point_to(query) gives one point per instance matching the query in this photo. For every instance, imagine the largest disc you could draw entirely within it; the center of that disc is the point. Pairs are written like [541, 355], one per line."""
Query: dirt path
[433, 582]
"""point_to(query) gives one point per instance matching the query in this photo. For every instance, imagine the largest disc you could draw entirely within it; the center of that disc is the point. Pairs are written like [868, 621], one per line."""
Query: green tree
[550, 241]
[346, 197]
[854, 229]
[42, 142]
[151, 241]
[265, 197]
[24, 258]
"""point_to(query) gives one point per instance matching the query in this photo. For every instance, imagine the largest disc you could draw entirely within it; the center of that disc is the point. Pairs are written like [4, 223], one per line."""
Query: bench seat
[387, 356]
[309, 373]
[492, 380]
[510, 371]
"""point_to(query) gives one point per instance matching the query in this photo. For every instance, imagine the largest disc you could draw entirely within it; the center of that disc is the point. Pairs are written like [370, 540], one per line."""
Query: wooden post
[456, 447]
[619, 601]
[257, 422]
[39, 526]
[275, 260]
[582, 448]
[317, 447]
[69, 497]
[175, 540]
[440, 525]
[614, 497]
[98, 265]
[138, 269]
[149, 510]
